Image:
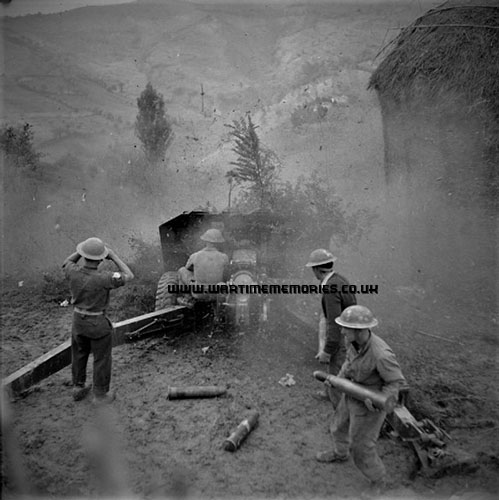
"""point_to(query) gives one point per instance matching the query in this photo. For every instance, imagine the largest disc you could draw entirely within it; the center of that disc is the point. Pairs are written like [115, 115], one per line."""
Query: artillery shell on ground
[357, 391]
[208, 391]
[233, 442]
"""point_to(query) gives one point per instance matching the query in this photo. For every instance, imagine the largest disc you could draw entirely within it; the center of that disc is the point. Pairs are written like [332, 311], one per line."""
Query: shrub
[151, 126]
[17, 143]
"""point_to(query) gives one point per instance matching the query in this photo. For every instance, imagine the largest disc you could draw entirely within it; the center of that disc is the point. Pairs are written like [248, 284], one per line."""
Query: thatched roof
[451, 51]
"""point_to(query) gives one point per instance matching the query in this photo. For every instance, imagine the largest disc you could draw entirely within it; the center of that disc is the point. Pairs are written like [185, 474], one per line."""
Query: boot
[80, 392]
[102, 399]
[330, 456]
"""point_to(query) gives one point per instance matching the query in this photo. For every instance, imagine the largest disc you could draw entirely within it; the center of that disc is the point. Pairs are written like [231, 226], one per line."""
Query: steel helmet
[213, 236]
[359, 317]
[320, 257]
[92, 249]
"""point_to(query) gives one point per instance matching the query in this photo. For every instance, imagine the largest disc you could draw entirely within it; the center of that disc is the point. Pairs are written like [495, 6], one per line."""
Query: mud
[149, 446]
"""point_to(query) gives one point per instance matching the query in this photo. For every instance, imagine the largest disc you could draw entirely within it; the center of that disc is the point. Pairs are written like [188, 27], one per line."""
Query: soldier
[209, 265]
[91, 330]
[356, 425]
[335, 299]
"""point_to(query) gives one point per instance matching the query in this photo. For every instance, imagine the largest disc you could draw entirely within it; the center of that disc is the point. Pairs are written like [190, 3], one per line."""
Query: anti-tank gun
[252, 258]
[436, 456]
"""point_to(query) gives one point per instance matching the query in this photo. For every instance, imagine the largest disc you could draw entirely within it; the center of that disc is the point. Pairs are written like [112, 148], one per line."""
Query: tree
[152, 126]
[257, 166]
[17, 144]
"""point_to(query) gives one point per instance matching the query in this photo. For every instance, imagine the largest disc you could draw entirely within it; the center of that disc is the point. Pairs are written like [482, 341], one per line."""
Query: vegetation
[17, 144]
[313, 211]
[309, 211]
[138, 297]
[152, 126]
[256, 167]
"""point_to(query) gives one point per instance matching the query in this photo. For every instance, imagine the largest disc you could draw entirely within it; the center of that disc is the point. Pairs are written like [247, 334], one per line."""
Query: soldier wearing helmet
[331, 342]
[356, 426]
[91, 329]
[209, 265]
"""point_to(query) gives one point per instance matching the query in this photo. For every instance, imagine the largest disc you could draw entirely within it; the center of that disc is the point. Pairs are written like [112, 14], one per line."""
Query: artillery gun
[252, 259]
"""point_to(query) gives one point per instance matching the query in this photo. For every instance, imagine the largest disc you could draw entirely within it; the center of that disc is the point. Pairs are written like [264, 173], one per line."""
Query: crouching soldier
[91, 329]
[356, 425]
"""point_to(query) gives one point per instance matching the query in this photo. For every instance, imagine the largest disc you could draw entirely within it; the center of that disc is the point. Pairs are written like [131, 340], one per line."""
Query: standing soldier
[335, 298]
[91, 330]
[356, 425]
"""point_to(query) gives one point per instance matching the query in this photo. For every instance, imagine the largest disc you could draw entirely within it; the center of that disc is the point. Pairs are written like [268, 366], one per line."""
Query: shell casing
[359, 392]
[235, 439]
[208, 391]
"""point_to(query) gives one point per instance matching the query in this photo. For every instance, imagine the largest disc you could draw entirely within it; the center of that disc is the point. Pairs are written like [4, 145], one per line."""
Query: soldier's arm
[390, 372]
[190, 263]
[343, 368]
[70, 263]
[125, 270]
[74, 258]
[347, 299]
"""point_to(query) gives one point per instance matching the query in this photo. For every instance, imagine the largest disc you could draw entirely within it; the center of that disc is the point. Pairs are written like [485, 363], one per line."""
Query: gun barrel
[208, 391]
[357, 391]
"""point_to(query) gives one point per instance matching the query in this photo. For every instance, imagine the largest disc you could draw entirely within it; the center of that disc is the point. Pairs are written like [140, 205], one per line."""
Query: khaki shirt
[90, 287]
[374, 366]
[208, 266]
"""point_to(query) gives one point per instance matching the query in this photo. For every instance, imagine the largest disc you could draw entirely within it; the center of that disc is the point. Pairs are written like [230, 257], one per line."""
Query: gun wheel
[163, 297]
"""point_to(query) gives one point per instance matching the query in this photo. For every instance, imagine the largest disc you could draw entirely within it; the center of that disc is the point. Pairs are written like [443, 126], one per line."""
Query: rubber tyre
[163, 297]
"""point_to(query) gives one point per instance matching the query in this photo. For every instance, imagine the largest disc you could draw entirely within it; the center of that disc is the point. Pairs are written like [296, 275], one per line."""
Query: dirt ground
[148, 446]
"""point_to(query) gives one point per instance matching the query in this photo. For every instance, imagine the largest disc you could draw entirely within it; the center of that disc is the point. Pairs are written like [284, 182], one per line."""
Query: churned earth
[145, 445]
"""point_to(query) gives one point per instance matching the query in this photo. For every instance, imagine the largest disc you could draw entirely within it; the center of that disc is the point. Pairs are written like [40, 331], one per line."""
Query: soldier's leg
[365, 427]
[101, 349]
[340, 435]
[80, 351]
[340, 427]
[186, 277]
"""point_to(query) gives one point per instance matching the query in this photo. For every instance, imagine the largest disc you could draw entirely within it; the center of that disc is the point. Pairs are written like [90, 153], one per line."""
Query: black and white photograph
[249, 249]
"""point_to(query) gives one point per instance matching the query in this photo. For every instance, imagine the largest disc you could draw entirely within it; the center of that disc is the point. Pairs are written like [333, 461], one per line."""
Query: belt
[88, 313]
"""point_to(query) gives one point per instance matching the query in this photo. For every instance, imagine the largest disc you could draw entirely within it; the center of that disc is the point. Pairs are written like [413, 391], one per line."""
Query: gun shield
[233, 442]
[357, 391]
[185, 392]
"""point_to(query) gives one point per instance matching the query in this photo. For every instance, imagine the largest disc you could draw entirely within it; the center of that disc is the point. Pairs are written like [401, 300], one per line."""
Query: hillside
[301, 70]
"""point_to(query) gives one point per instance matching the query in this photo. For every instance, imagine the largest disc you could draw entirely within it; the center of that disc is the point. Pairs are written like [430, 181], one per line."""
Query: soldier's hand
[323, 357]
[109, 255]
[369, 404]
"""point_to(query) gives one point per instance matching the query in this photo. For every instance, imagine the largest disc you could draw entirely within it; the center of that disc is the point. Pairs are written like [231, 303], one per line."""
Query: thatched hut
[438, 87]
